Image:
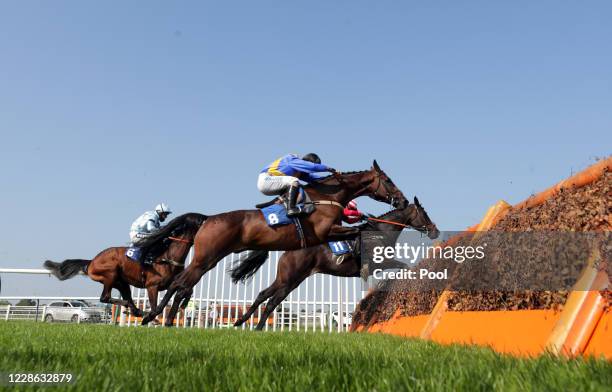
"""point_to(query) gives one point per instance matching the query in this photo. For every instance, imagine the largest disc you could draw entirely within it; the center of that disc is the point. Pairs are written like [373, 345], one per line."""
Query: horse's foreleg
[183, 283]
[186, 299]
[261, 297]
[155, 311]
[276, 299]
[181, 299]
[342, 233]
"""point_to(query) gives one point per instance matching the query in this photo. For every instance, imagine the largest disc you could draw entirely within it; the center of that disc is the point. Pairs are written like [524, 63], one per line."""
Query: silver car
[74, 311]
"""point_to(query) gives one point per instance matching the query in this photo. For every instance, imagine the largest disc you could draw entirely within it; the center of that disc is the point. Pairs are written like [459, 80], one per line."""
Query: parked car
[74, 311]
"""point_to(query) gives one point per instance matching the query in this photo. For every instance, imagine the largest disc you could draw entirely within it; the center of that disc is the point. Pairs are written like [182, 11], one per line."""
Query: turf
[118, 359]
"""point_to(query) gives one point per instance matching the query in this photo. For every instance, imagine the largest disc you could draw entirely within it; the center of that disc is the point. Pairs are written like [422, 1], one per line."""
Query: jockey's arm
[151, 226]
[308, 167]
[351, 216]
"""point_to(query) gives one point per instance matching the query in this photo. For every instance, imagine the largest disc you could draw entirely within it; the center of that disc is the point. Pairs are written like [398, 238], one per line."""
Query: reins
[423, 230]
[388, 222]
[327, 202]
[179, 240]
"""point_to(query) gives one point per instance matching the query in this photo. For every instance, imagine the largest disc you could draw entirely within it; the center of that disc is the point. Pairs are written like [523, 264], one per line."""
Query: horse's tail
[67, 268]
[247, 267]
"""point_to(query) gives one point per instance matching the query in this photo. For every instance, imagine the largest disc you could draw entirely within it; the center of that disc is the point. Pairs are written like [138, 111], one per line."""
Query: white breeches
[275, 185]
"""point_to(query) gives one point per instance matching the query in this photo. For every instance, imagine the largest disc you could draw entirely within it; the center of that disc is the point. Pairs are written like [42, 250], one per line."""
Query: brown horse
[240, 230]
[111, 267]
[297, 265]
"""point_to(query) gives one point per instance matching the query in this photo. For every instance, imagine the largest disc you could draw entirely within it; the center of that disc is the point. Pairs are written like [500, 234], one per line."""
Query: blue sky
[108, 108]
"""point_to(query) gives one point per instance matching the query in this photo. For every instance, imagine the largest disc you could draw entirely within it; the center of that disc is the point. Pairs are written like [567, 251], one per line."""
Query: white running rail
[321, 302]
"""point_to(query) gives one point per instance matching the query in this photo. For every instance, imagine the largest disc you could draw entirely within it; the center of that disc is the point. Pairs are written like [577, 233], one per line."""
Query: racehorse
[168, 248]
[297, 265]
[240, 230]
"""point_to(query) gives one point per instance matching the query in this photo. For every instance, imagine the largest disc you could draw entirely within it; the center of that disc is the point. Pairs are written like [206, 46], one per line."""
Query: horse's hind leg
[124, 289]
[153, 291]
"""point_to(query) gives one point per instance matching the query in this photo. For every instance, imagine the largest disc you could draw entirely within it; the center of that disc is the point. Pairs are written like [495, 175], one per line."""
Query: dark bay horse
[111, 267]
[240, 230]
[297, 265]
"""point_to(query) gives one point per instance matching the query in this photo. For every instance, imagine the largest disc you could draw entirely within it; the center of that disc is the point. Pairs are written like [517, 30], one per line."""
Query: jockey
[284, 174]
[148, 223]
[351, 214]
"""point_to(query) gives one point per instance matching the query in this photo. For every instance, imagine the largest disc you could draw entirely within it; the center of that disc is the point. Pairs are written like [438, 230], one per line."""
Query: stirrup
[295, 211]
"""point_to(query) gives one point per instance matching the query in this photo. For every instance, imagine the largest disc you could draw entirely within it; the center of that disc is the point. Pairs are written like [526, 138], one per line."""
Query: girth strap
[300, 232]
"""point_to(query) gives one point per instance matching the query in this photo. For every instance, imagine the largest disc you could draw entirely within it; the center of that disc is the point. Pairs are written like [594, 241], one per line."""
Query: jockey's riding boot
[292, 209]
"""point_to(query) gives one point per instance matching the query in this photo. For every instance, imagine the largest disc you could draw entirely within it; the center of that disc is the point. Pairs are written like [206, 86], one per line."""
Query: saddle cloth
[339, 247]
[276, 215]
[133, 253]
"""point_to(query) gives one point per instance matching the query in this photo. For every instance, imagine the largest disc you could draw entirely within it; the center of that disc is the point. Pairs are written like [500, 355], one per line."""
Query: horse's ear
[416, 201]
[375, 165]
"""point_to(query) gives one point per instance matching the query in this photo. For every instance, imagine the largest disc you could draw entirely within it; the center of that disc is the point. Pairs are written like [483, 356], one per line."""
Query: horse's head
[422, 222]
[381, 188]
[174, 240]
[181, 237]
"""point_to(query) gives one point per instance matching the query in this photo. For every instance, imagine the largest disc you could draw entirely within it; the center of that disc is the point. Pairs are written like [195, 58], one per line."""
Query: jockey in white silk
[148, 223]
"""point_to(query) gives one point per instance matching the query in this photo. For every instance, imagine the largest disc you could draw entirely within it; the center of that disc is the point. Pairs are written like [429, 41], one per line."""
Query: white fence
[321, 302]
[85, 314]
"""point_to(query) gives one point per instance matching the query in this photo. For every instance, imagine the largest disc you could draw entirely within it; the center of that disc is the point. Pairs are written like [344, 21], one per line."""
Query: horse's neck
[351, 187]
[170, 255]
[405, 217]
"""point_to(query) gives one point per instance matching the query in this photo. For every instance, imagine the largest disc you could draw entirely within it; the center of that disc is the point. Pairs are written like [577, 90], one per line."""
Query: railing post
[8, 311]
[121, 316]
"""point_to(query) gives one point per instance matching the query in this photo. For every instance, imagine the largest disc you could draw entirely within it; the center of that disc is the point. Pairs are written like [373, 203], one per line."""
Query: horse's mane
[331, 176]
[320, 183]
[176, 226]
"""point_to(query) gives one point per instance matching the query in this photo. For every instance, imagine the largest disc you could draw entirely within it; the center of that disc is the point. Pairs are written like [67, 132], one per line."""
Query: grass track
[119, 359]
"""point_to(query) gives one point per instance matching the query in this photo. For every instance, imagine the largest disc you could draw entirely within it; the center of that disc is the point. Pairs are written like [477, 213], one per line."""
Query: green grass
[119, 359]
